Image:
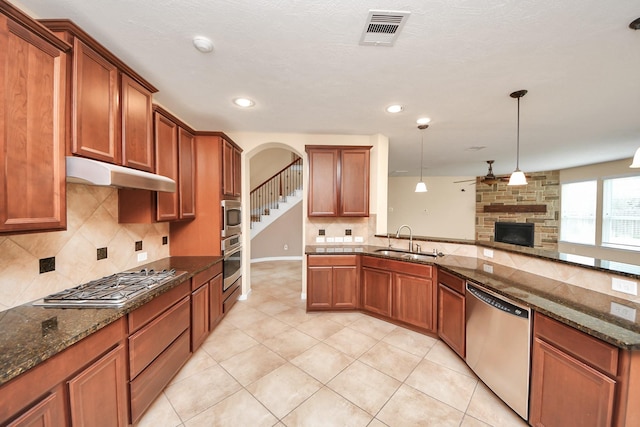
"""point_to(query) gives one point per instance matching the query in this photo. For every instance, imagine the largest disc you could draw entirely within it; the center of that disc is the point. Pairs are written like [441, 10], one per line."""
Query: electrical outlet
[488, 253]
[47, 264]
[348, 239]
[286, 247]
[338, 239]
[319, 239]
[359, 239]
[165, 240]
[330, 240]
[101, 253]
[487, 268]
[623, 311]
[142, 256]
[626, 286]
[138, 245]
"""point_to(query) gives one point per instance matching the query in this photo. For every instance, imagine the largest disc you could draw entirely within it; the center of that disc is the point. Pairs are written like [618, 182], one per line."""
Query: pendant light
[517, 177]
[421, 187]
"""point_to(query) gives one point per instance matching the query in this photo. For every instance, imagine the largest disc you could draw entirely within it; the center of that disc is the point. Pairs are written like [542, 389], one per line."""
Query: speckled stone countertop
[26, 341]
[583, 309]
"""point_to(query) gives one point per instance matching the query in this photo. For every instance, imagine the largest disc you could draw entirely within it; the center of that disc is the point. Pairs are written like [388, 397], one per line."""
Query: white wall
[443, 211]
[286, 230]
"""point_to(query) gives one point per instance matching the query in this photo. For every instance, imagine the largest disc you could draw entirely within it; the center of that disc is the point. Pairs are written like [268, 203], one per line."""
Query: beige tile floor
[269, 363]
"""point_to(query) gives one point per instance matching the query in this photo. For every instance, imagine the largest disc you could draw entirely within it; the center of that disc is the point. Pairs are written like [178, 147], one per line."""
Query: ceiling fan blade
[465, 180]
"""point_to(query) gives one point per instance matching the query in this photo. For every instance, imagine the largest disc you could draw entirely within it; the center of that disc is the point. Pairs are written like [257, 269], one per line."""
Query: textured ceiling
[455, 61]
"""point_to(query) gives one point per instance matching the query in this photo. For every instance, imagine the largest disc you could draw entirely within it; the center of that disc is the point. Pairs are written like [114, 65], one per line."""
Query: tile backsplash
[92, 223]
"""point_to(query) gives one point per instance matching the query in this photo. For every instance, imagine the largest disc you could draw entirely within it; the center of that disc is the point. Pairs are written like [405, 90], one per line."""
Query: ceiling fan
[489, 178]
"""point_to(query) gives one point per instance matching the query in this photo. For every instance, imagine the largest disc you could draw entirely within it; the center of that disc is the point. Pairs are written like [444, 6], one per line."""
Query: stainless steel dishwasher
[498, 345]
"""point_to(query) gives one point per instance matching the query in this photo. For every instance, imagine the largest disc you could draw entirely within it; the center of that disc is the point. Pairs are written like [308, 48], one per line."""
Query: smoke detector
[383, 27]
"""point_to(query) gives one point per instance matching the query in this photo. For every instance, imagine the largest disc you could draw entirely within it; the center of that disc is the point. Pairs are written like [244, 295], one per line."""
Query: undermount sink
[405, 255]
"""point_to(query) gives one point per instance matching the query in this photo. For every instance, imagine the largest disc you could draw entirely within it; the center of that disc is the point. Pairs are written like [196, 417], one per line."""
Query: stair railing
[276, 189]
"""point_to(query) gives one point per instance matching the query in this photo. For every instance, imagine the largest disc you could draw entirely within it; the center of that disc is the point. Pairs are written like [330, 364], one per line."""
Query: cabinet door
[187, 171]
[137, 126]
[345, 287]
[227, 169]
[32, 87]
[98, 395]
[354, 182]
[451, 319]
[323, 182]
[215, 301]
[566, 392]
[376, 291]
[319, 287]
[413, 300]
[166, 136]
[95, 102]
[199, 315]
[237, 172]
[48, 412]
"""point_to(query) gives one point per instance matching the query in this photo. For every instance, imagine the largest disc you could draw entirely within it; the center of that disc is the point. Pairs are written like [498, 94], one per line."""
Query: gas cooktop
[111, 291]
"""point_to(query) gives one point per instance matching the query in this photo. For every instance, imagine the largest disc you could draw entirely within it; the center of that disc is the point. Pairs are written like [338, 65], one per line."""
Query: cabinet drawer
[584, 347]
[331, 260]
[206, 275]
[143, 315]
[399, 266]
[146, 344]
[451, 281]
[149, 384]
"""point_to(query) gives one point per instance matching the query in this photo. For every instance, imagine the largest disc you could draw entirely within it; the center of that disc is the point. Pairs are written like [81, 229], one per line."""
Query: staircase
[275, 196]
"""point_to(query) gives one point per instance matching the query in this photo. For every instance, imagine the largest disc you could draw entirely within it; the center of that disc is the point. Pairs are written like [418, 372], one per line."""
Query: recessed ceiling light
[396, 108]
[203, 44]
[423, 120]
[244, 102]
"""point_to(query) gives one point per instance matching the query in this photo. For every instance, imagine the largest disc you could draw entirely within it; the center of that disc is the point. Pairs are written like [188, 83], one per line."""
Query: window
[621, 213]
[578, 212]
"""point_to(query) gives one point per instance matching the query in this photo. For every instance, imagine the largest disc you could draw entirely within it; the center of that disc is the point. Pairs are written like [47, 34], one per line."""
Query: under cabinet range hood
[93, 172]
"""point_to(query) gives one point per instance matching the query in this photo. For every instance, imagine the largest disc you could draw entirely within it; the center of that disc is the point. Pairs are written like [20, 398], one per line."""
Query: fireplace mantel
[515, 208]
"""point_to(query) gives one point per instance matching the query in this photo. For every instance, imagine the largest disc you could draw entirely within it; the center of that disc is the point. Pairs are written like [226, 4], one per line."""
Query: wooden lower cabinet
[332, 282]
[573, 377]
[376, 291]
[451, 311]
[89, 404]
[413, 300]
[48, 412]
[206, 303]
[199, 315]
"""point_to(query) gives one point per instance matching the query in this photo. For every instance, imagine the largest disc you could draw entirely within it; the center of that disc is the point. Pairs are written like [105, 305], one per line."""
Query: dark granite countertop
[609, 318]
[25, 341]
[624, 269]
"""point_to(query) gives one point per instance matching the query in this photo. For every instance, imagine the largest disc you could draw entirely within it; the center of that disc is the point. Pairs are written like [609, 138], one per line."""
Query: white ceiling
[455, 61]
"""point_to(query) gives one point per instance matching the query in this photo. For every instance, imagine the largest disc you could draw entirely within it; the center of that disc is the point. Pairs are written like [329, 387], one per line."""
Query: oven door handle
[233, 251]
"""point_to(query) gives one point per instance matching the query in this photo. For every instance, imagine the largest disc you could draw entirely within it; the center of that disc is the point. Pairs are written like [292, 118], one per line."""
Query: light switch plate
[623, 311]
[348, 239]
[487, 268]
[142, 256]
[338, 239]
[330, 240]
[319, 239]
[626, 286]
[359, 239]
[488, 253]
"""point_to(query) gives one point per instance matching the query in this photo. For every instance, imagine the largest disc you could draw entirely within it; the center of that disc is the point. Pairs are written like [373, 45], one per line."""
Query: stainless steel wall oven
[232, 260]
[231, 218]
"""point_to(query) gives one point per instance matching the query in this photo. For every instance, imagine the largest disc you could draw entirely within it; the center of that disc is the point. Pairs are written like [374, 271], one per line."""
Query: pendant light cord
[518, 139]
[421, 153]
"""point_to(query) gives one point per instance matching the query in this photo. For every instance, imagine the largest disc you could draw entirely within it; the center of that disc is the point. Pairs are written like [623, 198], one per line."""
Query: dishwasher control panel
[498, 302]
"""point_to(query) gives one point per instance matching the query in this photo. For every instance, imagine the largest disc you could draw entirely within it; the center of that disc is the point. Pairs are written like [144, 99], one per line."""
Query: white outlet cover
[488, 253]
[348, 239]
[339, 239]
[359, 239]
[623, 311]
[626, 286]
[319, 239]
[142, 256]
[487, 268]
[330, 240]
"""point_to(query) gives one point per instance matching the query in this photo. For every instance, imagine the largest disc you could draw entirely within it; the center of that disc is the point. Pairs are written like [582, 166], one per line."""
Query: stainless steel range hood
[92, 172]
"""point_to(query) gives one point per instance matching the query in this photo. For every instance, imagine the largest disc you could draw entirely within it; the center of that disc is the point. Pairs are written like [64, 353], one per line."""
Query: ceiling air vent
[382, 27]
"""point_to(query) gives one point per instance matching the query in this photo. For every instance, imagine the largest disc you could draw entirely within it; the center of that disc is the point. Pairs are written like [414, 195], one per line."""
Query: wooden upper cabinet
[338, 181]
[354, 182]
[111, 105]
[95, 106]
[32, 129]
[137, 132]
[231, 169]
[166, 141]
[187, 173]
